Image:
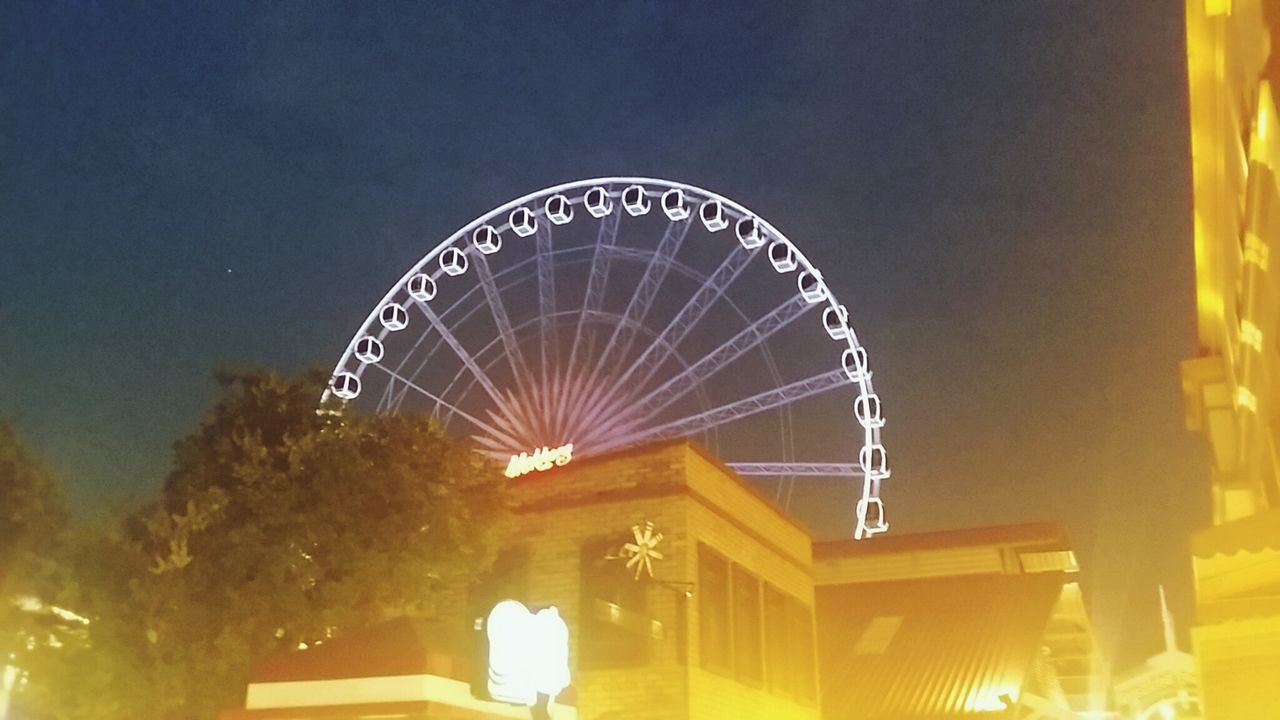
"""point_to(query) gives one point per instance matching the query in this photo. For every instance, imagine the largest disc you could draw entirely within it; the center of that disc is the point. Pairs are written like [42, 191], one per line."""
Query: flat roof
[1031, 533]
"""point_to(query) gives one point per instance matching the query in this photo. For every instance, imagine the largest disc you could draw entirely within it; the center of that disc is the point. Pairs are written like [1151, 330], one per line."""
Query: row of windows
[749, 629]
[753, 631]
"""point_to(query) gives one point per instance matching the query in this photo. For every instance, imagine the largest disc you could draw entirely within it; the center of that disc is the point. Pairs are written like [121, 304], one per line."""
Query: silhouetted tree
[279, 525]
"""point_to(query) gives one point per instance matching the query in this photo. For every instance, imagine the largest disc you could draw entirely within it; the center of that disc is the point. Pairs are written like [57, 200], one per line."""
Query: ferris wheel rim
[871, 431]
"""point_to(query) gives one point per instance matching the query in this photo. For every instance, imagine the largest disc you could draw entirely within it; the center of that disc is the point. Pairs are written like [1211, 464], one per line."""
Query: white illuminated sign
[528, 653]
[543, 458]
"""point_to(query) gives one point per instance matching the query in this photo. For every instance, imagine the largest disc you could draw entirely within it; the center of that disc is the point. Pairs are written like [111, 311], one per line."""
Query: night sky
[999, 190]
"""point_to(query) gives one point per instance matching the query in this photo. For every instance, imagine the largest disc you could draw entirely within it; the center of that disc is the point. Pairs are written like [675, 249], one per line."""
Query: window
[753, 631]
[713, 610]
[800, 619]
[747, 651]
[879, 633]
[614, 626]
[779, 671]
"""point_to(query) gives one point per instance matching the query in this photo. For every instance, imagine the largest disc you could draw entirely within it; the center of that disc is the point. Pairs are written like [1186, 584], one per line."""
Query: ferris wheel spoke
[713, 362]
[410, 385]
[624, 334]
[796, 469]
[733, 411]
[576, 426]
[498, 309]
[657, 352]
[606, 238]
[546, 297]
[464, 356]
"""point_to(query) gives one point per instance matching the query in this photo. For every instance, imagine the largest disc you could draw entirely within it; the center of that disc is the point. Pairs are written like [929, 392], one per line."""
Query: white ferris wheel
[607, 313]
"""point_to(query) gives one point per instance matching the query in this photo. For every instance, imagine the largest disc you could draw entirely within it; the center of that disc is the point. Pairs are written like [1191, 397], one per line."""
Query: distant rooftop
[1043, 535]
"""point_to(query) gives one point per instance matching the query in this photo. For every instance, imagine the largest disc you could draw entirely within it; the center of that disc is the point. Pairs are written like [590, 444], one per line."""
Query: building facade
[690, 596]
[713, 619]
[983, 622]
[1232, 387]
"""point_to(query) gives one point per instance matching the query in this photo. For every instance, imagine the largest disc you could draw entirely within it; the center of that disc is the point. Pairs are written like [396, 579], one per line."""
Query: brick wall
[690, 498]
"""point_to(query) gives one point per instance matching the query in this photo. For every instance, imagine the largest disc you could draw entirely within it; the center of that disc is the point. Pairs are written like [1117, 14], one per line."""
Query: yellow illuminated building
[688, 595]
[1232, 387]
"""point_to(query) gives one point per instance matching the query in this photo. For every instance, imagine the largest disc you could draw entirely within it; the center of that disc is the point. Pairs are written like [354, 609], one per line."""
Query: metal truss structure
[546, 371]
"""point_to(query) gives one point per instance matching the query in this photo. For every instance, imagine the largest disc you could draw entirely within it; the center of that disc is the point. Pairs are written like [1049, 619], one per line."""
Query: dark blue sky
[1000, 191]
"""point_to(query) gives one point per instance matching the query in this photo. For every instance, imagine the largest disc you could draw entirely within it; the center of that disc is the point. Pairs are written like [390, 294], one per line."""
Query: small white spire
[1170, 637]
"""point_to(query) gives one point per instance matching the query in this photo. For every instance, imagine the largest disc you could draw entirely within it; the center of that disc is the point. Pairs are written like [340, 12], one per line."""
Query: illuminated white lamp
[811, 286]
[871, 518]
[634, 200]
[782, 256]
[674, 206]
[836, 322]
[559, 210]
[486, 239]
[874, 461]
[712, 214]
[345, 385]
[854, 361]
[368, 349]
[453, 261]
[421, 287]
[867, 409]
[597, 202]
[523, 222]
[749, 234]
[393, 317]
[528, 653]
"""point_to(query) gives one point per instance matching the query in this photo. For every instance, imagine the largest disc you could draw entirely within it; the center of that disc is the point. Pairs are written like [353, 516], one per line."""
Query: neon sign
[528, 653]
[543, 458]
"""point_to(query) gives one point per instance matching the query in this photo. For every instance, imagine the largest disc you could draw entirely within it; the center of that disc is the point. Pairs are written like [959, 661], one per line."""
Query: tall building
[1232, 388]
[690, 596]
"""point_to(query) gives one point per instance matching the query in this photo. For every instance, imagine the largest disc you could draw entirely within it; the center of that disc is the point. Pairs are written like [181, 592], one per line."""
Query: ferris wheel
[608, 313]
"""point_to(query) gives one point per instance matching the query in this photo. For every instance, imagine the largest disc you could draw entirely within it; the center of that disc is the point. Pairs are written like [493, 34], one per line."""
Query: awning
[931, 648]
[1248, 534]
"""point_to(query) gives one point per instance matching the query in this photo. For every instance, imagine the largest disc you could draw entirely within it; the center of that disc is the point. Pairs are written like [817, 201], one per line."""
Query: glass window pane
[747, 641]
[614, 625]
[713, 610]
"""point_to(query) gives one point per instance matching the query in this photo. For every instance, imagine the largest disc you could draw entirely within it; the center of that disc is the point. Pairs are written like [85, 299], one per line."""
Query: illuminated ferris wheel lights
[421, 287]
[558, 209]
[453, 261]
[634, 200]
[521, 410]
[369, 349]
[867, 409]
[712, 214]
[393, 317]
[836, 322]
[782, 257]
[674, 206]
[523, 223]
[346, 385]
[597, 202]
[854, 361]
[811, 286]
[486, 239]
[871, 517]
[748, 232]
[873, 460]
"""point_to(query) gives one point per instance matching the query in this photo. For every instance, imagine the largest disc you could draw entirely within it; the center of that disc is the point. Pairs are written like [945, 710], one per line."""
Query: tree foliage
[33, 516]
[278, 525]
